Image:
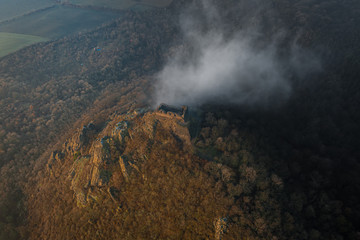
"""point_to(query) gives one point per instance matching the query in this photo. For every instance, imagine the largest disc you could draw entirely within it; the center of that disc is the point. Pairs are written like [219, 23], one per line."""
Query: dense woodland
[285, 173]
[45, 88]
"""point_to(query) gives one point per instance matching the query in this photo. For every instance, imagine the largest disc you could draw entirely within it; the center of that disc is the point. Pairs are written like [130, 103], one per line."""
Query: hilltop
[139, 175]
[102, 170]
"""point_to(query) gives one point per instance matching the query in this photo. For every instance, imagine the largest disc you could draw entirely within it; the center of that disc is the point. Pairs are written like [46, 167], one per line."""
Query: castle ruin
[169, 111]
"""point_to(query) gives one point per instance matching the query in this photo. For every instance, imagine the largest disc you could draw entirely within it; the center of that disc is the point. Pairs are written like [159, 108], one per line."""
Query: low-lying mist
[217, 64]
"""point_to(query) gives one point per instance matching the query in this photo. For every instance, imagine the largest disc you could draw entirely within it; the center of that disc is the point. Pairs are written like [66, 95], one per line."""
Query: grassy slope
[58, 22]
[54, 22]
[11, 42]
[14, 8]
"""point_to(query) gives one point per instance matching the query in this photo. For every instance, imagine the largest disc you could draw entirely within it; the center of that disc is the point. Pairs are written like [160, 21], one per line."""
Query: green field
[58, 21]
[14, 8]
[11, 42]
[122, 4]
[24, 22]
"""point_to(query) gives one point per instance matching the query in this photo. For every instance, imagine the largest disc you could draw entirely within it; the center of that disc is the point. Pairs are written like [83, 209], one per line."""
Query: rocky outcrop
[55, 157]
[78, 144]
[102, 159]
[220, 225]
[86, 134]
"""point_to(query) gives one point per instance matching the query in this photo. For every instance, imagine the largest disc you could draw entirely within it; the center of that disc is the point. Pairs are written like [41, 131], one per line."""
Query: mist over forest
[187, 119]
[245, 66]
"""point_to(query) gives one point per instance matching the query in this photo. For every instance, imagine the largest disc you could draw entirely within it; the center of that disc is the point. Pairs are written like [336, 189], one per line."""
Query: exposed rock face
[124, 165]
[78, 144]
[220, 225]
[79, 179]
[102, 159]
[86, 134]
[55, 157]
[97, 162]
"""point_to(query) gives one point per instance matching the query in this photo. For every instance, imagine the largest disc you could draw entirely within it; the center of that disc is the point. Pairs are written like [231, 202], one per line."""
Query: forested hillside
[283, 172]
[45, 88]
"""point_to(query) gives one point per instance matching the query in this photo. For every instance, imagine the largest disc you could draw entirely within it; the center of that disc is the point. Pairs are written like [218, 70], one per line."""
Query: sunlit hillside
[266, 148]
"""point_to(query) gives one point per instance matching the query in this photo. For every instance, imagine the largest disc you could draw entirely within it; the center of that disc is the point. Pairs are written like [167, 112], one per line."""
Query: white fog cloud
[227, 69]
